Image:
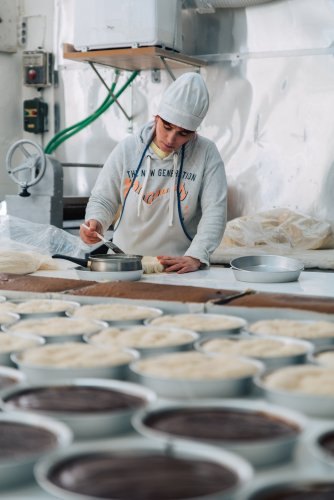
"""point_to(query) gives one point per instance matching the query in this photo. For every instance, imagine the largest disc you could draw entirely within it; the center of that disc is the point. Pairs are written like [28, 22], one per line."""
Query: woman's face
[169, 137]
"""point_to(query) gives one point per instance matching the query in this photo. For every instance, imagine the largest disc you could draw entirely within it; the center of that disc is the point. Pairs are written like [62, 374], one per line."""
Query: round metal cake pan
[143, 449]
[85, 273]
[313, 443]
[86, 424]
[5, 356]
[44, 332]
[68, 307]
[294, 485]
[7, 319]
[152, 350]
[124, 323]
[307, 324]
[238, 323]
[36, 373]
[259, 452]
[186, 388]
[18, 469]
[312, 405]
[9, 377]
[271, 362]
[314, 357]
[120, 321]
[266, 269]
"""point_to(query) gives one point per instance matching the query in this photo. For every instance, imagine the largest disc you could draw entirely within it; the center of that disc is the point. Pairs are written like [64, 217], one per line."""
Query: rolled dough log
[152, 265]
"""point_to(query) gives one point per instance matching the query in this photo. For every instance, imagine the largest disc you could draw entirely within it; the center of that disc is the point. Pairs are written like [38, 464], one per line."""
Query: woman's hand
[89, 235]
[180, 265]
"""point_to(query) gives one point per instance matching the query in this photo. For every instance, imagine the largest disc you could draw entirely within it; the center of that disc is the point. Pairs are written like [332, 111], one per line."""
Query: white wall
[270, 78]
[271, 82]
[39, 17]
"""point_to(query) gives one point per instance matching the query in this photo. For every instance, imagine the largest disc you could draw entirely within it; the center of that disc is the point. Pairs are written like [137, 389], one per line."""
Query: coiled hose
[65, 134]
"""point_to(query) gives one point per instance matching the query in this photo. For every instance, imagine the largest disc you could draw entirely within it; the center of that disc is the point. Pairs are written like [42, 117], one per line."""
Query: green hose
[74, 129]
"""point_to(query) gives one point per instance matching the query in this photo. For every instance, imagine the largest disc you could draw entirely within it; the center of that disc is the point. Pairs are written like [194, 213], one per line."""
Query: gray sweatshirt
[201, 197]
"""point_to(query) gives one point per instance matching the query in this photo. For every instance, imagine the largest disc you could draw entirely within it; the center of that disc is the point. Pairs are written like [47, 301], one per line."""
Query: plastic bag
[276, 228]
[21, 235]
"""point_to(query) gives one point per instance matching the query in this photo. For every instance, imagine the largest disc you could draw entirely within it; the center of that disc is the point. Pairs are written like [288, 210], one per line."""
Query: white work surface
[309, 283]
[304, 465]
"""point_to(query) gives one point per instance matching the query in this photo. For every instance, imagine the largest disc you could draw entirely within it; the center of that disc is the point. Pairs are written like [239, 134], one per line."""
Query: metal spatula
[228, 298]
[107, 243]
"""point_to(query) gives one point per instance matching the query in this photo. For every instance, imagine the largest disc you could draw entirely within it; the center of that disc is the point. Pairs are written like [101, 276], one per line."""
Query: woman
[170, 183]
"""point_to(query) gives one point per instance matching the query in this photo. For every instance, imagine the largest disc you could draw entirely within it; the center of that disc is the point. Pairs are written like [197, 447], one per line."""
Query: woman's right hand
[89, 235]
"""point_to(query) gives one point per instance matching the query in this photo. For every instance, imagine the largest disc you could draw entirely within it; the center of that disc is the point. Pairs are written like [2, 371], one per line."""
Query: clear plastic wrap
[23, 236]
[276, 228]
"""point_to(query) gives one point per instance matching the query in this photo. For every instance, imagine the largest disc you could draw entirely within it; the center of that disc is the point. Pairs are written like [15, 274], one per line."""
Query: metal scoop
[107, 243]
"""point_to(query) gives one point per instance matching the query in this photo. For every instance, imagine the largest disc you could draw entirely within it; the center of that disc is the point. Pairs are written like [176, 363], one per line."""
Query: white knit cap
[185, 102]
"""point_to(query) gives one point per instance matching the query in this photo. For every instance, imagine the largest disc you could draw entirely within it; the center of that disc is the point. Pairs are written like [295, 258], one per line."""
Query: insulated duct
[216, 4]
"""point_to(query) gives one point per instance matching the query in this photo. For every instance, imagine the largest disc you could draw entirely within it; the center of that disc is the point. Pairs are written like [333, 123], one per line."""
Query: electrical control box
[127, 23]
[37, 68]
[35, 114]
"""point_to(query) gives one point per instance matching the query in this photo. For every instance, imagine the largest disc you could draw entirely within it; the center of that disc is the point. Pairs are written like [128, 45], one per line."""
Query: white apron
[151, 231]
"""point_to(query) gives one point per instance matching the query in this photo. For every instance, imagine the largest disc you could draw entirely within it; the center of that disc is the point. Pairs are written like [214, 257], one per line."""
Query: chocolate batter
[327, 442]
[20, 440]
[141, 476]
[221, 424]
[303, 491]
[81, 399]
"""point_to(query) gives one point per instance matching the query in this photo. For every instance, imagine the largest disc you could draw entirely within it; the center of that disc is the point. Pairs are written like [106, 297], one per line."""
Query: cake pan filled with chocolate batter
[312, 487]
[92, 408]
[143, 469]
[263, 434]
[320, 443]
[25, 438]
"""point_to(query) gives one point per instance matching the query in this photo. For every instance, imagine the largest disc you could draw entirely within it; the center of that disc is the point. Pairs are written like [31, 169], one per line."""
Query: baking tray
[266, 269]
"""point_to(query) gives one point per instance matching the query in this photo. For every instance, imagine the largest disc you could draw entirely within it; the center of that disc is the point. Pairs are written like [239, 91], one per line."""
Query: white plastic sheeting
[271, 81]
[229, 3]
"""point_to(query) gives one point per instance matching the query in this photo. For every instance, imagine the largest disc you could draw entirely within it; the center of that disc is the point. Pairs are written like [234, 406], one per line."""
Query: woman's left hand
[180, 265]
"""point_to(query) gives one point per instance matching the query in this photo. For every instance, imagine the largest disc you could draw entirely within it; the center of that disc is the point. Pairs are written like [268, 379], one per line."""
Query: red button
[32, 74]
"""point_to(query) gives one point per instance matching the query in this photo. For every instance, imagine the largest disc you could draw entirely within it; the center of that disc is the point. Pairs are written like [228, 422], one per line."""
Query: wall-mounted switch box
[37, 68]
[35, 113]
